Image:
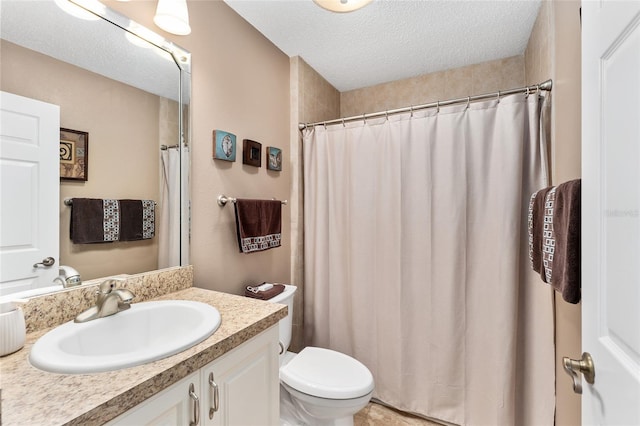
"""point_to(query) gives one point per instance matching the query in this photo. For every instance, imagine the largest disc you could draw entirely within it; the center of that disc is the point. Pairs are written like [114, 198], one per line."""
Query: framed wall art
[252, 153]
[224, 145]
[274, 158]
[74, 155]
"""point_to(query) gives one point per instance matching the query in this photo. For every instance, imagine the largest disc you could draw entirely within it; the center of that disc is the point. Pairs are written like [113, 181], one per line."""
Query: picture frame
[224, 145]
[74, 155]
[274, 158]
[252, 153]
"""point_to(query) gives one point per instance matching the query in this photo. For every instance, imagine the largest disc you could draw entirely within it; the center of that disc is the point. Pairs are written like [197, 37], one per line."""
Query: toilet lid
[327, 374]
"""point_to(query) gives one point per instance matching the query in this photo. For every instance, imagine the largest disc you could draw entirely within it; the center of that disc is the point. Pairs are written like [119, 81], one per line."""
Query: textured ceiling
[97, 46]
[392, 39]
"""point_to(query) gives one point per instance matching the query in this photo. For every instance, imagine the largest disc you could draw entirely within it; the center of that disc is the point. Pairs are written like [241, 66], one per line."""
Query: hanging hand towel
[97, 220]
[258, 224]
[94, 220]
[137, 220]
[566, 276]
[554, 237]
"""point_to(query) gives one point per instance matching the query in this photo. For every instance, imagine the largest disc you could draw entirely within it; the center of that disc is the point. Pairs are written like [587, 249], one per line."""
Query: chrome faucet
[110, 300]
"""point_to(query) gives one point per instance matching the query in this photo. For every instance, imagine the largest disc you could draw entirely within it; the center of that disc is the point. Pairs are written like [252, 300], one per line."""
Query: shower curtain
[169, 227]
[416, 259]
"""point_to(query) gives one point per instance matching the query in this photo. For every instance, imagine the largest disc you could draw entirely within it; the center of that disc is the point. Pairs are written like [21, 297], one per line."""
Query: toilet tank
[285, 325]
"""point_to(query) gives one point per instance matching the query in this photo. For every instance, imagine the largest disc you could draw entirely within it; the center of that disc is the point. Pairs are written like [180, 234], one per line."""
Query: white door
[611, 210]
[29, 192]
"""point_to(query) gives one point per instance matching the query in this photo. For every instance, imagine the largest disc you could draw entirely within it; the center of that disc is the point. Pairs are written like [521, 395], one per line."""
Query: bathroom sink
[146, 332]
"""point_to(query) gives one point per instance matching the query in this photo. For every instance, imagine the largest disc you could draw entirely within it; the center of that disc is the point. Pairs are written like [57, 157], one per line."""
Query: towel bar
[223, 200]
[69, 202]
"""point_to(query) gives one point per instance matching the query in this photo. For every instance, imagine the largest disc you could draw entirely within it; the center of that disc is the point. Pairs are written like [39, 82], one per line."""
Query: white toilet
[318, 386]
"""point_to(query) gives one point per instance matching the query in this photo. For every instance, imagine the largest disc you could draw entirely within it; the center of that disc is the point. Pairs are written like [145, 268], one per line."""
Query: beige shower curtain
[416, 261]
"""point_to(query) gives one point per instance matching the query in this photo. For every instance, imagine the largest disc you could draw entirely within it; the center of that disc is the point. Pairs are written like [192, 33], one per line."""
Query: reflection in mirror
[129, 89]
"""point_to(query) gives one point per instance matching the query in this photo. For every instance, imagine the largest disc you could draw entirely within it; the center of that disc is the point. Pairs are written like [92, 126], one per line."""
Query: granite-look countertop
[34, 397]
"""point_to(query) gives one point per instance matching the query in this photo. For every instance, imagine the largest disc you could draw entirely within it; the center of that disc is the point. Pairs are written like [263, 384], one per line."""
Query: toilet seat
[327, 374]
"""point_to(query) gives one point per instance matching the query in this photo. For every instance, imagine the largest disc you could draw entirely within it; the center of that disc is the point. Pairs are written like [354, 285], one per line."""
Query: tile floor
[378, 415]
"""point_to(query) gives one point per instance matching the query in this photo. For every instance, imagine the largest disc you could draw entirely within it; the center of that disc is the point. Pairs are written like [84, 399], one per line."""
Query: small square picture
[224, 145]
[274, 158]
[74, 155]
[252, 153]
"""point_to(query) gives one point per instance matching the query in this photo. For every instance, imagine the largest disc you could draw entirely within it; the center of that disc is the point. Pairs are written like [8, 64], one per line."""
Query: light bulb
[173, 16]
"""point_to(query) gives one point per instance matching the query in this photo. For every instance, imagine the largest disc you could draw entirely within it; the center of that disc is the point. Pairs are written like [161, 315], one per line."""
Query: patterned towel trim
[549, 236]
[530, 226]
[111, 219]
[260, 243]
[148, 219]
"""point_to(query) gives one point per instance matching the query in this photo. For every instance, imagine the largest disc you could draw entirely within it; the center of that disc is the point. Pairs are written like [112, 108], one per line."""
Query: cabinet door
[248, 384]
[173, 406]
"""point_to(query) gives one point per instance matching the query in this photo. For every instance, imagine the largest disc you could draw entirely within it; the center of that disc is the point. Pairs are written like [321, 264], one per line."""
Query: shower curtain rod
[546, 86]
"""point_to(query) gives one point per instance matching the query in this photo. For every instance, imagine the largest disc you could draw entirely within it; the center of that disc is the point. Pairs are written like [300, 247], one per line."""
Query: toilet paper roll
[12, 331]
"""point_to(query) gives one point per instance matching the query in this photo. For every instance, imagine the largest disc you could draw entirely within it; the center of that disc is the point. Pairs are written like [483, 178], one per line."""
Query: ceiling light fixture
[173, 16]
[342, 6]
[78, 9]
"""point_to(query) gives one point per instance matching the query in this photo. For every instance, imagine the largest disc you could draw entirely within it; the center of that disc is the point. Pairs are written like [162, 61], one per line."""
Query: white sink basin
[144, 333]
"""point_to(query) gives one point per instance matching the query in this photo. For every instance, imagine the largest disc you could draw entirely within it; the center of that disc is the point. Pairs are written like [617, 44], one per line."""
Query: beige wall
[475, 79]
[554, 52]
[118, 154]
[240, 84]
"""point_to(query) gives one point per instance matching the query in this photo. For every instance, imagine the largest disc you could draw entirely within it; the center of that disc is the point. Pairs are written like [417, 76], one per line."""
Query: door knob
[47, 261]
[575, 367]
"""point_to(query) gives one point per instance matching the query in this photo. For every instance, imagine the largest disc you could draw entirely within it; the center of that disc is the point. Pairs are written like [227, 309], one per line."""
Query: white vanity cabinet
[246, 382]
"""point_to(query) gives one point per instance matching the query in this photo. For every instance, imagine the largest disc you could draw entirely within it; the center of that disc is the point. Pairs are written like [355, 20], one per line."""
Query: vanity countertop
[34, 397]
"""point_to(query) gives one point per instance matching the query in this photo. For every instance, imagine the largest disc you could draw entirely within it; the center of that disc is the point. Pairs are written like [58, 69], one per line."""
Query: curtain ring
[411, 109]
[386, 114]
[364, 118]
[438, 107]
[498, 96]
[343, 122]
[468, 101]
[324, 123]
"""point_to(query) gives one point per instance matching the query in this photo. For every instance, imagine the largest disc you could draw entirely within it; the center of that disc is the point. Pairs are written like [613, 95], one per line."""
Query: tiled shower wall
[486, 77]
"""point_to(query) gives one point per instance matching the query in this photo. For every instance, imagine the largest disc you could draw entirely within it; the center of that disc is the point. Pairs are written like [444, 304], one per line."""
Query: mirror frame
[182, 59]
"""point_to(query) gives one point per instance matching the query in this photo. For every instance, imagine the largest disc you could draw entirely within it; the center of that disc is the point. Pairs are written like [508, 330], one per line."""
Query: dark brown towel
[91, 222]
[137, 220]
[264, 295]
[97, 220]
[554, 238]
[258, 224]
[566, 276]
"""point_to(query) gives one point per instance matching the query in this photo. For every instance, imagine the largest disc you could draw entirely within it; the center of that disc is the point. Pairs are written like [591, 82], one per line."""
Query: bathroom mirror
[129, 89]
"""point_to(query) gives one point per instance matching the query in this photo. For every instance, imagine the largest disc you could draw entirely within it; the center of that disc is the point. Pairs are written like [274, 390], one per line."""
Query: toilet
[318, 386]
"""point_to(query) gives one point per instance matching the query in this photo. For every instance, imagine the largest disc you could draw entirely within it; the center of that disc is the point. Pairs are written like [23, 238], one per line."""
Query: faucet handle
[108, 285]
